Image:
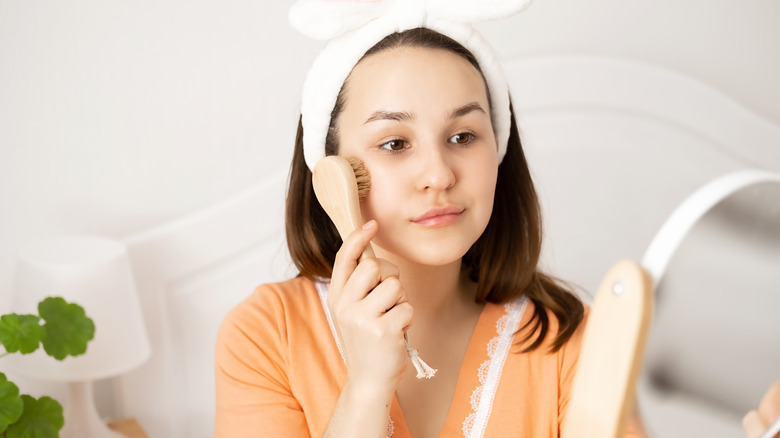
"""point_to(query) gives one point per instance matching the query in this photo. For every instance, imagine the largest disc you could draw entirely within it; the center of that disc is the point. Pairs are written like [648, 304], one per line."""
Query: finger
[400, 317]
[384, 296]
[349, 253]
[366, 277]
[361, 281]
[368, 274]
[769, 408]
[752, 425]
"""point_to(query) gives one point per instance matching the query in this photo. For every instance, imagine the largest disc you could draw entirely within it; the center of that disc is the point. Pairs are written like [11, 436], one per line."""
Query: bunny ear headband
[354, 26]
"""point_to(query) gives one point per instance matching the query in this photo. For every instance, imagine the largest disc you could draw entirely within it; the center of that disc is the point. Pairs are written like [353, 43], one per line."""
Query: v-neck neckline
[485, 355]
[487, 328]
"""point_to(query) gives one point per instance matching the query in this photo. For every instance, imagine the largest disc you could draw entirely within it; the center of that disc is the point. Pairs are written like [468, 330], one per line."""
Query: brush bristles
[361, 175]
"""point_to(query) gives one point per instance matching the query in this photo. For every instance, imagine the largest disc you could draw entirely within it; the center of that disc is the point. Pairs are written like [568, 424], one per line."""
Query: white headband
[355, 26]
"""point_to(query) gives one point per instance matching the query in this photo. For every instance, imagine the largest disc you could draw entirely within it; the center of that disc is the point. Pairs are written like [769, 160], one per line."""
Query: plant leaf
[41, 418]
[22, 333]
[11, 405]
[68, 329]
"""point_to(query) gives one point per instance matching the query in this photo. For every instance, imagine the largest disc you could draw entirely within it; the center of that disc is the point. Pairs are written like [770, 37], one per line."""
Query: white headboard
[189, 273]
[614, 146]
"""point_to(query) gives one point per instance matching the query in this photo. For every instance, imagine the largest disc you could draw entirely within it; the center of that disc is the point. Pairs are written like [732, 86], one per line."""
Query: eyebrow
[403, 116]
[465, 109]
[398, 116]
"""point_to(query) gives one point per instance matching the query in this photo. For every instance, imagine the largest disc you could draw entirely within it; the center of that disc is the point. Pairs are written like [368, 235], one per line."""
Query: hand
[371, 313]
[757, 421]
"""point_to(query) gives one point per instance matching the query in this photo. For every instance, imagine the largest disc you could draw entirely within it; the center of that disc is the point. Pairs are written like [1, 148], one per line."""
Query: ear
[473, 11]
[323, 19]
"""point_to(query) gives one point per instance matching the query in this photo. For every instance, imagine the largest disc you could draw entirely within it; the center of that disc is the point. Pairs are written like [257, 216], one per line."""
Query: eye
[462, 138]
[395, 145]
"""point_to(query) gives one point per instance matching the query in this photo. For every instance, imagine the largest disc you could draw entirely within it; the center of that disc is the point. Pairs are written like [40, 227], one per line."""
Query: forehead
[406, 77]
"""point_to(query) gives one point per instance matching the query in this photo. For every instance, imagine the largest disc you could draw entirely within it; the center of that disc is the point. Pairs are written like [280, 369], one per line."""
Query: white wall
[732, 45]
[118, 116]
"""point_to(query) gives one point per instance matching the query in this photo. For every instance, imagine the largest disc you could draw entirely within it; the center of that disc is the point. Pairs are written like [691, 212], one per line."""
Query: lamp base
[81, 417]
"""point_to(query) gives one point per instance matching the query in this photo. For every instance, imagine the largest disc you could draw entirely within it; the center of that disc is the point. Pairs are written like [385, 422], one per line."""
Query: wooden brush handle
[612, 348]
[336, 189]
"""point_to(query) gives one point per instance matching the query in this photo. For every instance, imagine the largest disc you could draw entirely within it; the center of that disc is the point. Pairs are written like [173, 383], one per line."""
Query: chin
[440, 255]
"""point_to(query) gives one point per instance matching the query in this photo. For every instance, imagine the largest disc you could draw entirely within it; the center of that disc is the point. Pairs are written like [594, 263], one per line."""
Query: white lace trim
[322, 290]
[490, 370]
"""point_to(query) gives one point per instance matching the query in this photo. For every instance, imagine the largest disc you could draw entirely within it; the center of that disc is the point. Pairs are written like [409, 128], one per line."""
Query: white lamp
[93, 272]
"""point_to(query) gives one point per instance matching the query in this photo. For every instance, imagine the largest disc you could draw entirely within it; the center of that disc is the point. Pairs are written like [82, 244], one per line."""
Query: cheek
[483, 187]
[487, 191]
[489, 187]
[384, 197]
[482, 171]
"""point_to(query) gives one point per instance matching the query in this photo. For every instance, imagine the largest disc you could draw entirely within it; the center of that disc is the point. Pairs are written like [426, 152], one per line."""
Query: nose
[435, 170]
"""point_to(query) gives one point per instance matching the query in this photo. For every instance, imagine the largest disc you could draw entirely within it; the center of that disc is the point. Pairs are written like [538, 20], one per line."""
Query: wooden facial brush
[339, 184]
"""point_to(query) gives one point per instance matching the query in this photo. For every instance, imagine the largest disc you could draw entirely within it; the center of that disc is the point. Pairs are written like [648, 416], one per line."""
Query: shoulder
[270, 310]
[574, 342]
[531, 328]
[569, 353]
[578, 322]
[296, 294]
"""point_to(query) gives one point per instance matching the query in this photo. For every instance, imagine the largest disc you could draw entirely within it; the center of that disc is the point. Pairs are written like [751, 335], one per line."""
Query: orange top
[279, 371]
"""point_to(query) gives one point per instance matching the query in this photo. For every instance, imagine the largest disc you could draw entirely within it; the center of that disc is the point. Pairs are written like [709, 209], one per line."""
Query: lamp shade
[93, 272]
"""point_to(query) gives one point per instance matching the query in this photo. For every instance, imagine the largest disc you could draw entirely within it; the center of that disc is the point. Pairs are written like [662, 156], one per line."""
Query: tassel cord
[423, 369]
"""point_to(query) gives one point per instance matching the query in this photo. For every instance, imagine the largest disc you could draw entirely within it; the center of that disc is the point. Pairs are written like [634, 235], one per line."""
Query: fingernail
[368, 225]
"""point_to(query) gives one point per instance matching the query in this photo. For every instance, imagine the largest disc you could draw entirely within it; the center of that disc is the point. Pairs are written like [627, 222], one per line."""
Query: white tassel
[423, 369]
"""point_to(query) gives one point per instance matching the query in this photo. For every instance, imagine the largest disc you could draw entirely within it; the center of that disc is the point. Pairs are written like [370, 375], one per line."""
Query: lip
[439, 216]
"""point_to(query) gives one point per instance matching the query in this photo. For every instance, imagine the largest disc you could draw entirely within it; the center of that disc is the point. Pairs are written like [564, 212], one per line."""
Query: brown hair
[503, 261]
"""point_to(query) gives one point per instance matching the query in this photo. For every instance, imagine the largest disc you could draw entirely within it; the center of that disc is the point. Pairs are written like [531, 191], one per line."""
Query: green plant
[63, 329]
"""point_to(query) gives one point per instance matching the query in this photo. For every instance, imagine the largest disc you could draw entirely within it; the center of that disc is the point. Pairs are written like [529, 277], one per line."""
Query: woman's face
[420, 121]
